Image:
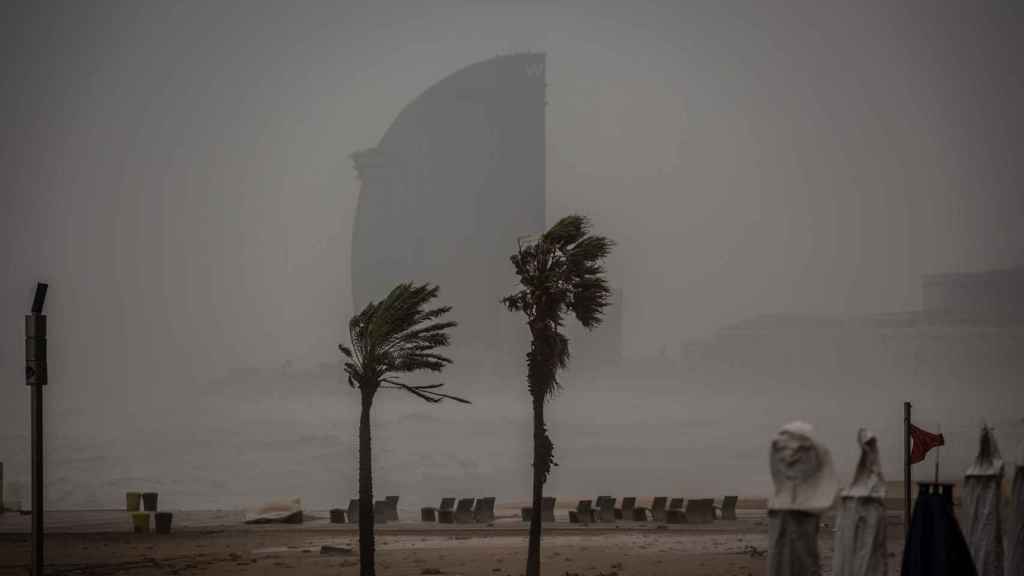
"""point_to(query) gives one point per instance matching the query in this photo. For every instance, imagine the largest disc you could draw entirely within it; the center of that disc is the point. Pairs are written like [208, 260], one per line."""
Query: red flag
[923, 441]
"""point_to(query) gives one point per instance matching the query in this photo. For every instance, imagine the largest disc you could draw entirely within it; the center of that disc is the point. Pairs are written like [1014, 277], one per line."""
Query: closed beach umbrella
[1015, 540]
[860, 542]
[982, 503]
[805, 486]
[935, 546]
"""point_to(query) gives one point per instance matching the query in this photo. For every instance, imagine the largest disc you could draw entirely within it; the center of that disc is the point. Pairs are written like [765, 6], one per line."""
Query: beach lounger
[728, 508]
[353, 511]
[547, 510]
[626, 512]
[483, 512]
[464, 511]
[432, 514]
[446, 513]
[700, 511]
[381, 511]
[583, 514]
[606, 509]
[658, 508]
[675, 513]
[392, 511]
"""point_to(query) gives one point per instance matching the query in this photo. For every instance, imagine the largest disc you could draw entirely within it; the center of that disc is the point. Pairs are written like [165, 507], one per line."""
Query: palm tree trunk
[539, 462]
[366, 545]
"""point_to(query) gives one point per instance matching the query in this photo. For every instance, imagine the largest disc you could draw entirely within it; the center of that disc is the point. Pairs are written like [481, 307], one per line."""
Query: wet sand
[86, 543]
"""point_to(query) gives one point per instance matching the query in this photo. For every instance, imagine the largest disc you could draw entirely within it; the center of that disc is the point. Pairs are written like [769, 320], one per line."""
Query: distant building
[964, 333]
[455, 180]
[996, 294]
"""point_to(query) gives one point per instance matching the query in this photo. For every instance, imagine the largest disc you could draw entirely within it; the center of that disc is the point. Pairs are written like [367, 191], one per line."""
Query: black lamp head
[40, 298]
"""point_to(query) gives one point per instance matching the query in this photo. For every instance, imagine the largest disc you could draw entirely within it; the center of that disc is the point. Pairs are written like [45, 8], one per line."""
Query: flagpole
[906, 468]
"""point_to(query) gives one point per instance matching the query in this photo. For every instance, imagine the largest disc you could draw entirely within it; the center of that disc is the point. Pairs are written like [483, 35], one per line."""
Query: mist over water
[287, 433]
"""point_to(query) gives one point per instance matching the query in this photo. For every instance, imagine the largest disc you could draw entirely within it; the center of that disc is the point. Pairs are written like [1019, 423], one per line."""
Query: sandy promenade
[98, 542]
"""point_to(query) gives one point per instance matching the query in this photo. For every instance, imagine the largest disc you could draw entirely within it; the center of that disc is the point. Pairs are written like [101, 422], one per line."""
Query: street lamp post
[35, 376]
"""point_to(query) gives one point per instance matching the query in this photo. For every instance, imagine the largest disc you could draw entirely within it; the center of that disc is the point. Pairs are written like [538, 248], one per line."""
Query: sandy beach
[99, 542]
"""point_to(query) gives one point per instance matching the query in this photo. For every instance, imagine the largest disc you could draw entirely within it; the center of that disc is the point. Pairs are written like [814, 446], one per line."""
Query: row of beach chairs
[663, 509]
[601, 510]
[465, 511]
[385, 510]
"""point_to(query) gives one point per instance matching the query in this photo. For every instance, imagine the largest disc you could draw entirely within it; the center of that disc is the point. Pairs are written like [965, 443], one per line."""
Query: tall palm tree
[398, 335]
[559, 272]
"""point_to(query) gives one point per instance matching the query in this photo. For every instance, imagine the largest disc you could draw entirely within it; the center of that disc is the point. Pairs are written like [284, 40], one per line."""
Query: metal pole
[37, 480]
[906, 468]
[36, 377]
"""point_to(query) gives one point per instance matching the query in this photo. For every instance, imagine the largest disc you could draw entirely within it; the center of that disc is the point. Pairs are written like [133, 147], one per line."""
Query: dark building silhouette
[455, 180]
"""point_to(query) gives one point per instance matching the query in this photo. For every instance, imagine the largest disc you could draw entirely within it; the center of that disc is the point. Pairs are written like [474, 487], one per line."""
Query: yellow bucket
[133, 499]
[140, 522]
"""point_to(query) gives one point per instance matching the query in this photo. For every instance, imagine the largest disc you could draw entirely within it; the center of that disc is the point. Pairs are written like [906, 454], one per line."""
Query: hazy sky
[179, 172]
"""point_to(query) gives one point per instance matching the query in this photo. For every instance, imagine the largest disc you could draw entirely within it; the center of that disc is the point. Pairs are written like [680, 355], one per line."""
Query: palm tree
[559, 272]
[396, 336]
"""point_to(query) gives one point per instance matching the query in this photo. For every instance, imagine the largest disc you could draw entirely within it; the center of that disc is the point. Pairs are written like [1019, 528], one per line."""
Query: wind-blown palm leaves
[398, 336]
[559, 272]
[395, 336]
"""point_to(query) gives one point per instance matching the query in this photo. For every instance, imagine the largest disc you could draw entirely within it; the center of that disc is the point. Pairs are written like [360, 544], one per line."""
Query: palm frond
[426, 391]
[566, 231]
[399, 334]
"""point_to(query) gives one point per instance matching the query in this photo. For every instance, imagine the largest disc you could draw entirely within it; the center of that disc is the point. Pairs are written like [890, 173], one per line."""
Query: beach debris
[860, 544]
[754, 551]
[982, 506]
[431, 571]
[329, 550]
[805, 486]
[281, 511]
